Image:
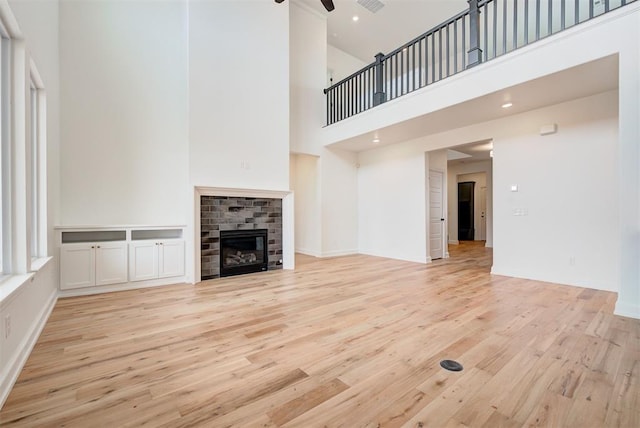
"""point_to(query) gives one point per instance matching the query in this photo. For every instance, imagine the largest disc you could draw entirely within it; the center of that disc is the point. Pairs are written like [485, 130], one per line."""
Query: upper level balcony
[538, 52]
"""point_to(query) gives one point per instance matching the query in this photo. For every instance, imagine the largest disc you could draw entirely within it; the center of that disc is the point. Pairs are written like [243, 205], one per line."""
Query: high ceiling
[396, 23]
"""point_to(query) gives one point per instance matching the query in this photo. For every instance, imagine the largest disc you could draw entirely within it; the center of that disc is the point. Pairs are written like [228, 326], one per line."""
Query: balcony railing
[487, 30]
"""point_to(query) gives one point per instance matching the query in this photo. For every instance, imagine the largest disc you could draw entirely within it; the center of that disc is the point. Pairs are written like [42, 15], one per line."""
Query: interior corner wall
[305, 184]
[308, 62]
[239, 94]
[628, 303]
[339, 207]
[342, 65]
[123, 72]
[391, 203]
[562, 223]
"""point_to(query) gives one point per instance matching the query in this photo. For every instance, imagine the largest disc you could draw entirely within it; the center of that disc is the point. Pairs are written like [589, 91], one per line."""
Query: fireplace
[243, 251]
[239, 214]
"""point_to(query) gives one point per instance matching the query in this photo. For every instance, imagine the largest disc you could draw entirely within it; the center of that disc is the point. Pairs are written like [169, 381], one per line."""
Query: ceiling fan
[328, 4]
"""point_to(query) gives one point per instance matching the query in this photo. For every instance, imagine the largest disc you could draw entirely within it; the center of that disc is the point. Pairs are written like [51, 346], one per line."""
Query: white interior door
[436, 214]
[482, 230]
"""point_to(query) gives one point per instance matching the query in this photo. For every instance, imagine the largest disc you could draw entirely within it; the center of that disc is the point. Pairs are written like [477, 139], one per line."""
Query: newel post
[474, 53]
[379, 96]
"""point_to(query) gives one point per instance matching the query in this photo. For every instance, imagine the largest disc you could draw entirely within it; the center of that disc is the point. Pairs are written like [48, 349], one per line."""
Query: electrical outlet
[7, 326]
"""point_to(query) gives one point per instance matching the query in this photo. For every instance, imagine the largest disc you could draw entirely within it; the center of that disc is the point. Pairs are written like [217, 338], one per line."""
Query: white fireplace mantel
[288, 254]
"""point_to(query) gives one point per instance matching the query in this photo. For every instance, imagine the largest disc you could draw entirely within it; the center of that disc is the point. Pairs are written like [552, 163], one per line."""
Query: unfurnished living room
[307, 213]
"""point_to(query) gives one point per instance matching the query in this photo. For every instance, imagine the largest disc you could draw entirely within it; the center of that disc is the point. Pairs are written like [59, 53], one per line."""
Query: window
[33, 182]
[36, 168]
[5, 191]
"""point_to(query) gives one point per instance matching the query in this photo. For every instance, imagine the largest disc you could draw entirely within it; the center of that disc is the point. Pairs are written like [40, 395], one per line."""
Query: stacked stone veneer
[230, 213]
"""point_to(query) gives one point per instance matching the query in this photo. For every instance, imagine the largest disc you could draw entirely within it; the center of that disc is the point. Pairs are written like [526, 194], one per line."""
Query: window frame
[36, 168]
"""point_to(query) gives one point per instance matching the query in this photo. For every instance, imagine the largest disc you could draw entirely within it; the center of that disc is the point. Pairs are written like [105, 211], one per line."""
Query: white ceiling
[397, 23]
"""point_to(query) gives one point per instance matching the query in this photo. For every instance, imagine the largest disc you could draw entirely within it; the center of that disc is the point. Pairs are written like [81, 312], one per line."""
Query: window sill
[36, 264]
[10, 284]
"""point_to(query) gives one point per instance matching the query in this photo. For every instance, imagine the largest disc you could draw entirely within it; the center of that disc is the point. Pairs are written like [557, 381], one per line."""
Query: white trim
[628, 310]
[9, 21]
[454, 242]
[240, 193]
[308, 252]
[338, 253]
[10, 375]
[131, 285]
[88, 228]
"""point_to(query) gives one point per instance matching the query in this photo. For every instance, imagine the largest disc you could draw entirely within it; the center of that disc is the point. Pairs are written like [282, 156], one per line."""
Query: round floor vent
[451, 365]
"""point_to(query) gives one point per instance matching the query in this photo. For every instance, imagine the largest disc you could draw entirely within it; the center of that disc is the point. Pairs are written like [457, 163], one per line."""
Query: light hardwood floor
[353, 341]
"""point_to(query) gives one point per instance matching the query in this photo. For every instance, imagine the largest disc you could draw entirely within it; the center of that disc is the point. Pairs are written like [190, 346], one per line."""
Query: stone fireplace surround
[218, 213]
[281, 199]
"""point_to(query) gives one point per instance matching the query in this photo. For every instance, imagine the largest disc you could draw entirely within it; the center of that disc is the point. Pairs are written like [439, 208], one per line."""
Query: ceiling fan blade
[328, 4]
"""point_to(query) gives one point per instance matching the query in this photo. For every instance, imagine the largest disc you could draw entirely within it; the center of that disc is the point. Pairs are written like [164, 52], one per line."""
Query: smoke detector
[371, 5]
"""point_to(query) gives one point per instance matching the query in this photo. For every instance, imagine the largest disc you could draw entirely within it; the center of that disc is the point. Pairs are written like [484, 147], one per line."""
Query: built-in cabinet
[95, 257]
[88, 265]
[159, 259]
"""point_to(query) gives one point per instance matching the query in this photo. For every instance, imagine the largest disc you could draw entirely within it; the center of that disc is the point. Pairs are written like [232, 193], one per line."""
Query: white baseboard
[307, 252]
[15, 367]
[454, 242]
[86, 291]
[339, 253]
[625, 309]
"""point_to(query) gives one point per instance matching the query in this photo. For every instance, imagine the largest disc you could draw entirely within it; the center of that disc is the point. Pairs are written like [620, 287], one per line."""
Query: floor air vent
[371, 5]
[451, 365]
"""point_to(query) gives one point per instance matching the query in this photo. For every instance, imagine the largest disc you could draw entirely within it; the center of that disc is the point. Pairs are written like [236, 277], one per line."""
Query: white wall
[391, 203]
[30, 304]
[393, 176]
[239, 94]
[339, 189]
[308, 62]
[340, 64]
[305, 183]
[615, 33]
[567, 197]
[123, 68]
[29, 308]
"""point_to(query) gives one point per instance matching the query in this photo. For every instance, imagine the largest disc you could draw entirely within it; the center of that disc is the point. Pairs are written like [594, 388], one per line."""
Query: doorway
[466, 208]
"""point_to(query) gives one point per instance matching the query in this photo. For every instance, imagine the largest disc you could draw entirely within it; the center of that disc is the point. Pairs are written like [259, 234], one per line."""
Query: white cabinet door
[77, 266]
[111, 263]
[143, 260]
[171, 259]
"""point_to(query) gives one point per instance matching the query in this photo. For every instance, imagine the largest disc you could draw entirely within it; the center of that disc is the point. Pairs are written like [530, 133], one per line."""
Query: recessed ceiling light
[507, 105]
[376, 140]
[355, 18]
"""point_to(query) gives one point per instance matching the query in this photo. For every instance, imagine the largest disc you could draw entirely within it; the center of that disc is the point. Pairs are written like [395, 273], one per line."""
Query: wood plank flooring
[346, 342]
